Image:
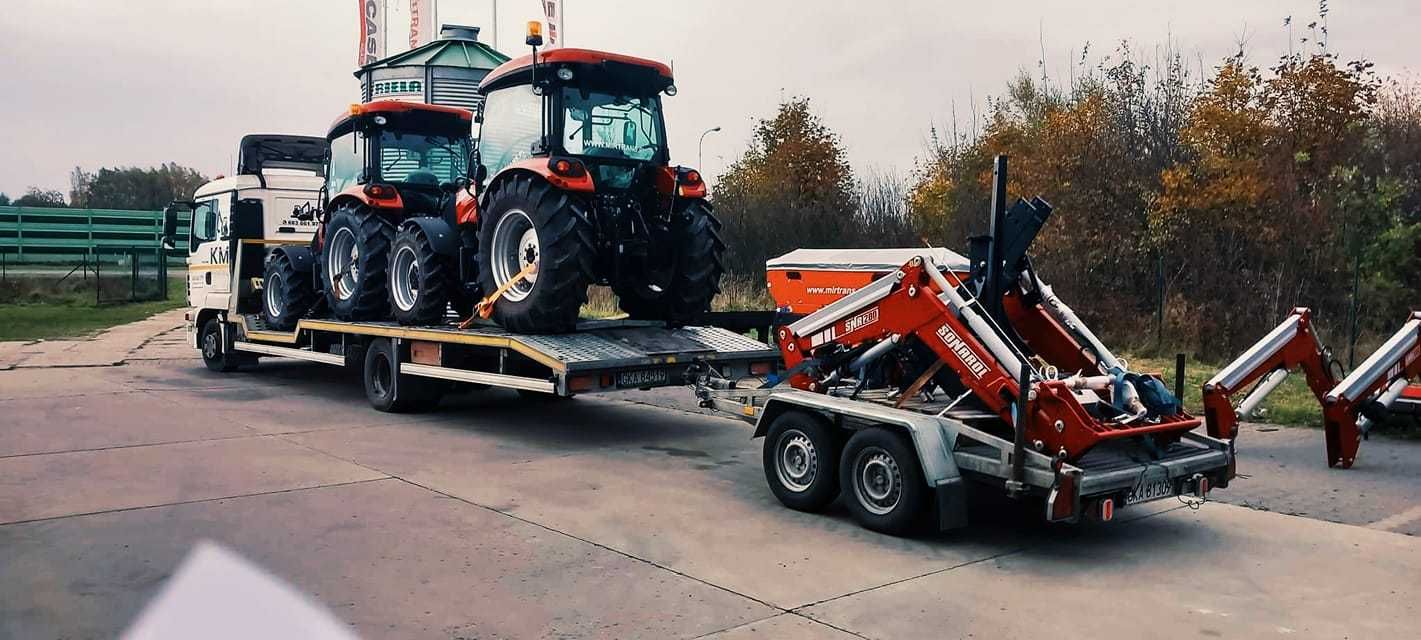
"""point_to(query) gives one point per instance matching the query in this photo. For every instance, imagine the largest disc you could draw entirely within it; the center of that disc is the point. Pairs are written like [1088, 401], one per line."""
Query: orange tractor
[568, 184]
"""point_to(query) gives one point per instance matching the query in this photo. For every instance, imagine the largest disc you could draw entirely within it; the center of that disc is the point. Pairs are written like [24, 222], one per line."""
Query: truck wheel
[421, 283]
[214, 348]
[286, 293]
[697, 267]
[391, 391]
[799, 455]
[353, 260]
[882, 483]
[528, 221]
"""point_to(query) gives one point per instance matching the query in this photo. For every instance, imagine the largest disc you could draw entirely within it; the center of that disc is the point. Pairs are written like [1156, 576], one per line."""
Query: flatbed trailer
[599, 356]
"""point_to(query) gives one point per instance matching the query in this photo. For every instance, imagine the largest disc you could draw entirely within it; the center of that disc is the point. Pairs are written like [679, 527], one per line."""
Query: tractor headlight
[670, 89]
[564, 74]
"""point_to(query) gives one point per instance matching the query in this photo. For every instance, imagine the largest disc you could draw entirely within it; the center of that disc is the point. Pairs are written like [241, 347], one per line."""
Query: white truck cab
[271, 200]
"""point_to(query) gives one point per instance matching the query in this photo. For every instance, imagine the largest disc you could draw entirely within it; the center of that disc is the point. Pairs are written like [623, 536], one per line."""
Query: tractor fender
[302, 258]
[441, 236]
[540, 167]
[931, 438]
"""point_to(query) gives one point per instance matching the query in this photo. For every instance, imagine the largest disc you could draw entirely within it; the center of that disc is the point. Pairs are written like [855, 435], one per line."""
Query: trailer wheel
[882, 483]
[214, 349]
[420, 281]
[799, 455]
[391, 391]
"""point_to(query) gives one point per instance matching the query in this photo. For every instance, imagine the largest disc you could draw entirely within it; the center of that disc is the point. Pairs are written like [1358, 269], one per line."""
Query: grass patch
[36, 307]
[736, 294]
[1292, 403]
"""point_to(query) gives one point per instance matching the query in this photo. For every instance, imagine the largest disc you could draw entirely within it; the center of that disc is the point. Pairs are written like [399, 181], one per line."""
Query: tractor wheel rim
[878, 482]
[796, 461]
[342, 260]
[405, 273]
[274, 303]
[515, 246]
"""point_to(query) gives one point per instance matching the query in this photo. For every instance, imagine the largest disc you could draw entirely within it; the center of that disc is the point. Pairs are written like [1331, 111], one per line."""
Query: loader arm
[1378, 381]
[1290, 346]
[919, 300]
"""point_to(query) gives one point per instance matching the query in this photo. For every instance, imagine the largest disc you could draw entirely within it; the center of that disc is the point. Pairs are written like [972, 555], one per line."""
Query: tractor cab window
[606, 125]
[422, 160]
[512, 123]
[347, 163]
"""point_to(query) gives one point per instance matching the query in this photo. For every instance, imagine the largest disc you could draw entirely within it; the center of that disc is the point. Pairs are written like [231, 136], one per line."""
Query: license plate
[643, 378]
[1151, 490]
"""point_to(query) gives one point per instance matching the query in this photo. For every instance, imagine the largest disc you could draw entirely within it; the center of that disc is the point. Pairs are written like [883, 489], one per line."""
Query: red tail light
[380, 191]
[1107, 510]
[567, 168]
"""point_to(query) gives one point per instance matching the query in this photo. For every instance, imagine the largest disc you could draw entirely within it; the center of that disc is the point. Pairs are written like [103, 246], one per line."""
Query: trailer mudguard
[441, 236]
[932, 440]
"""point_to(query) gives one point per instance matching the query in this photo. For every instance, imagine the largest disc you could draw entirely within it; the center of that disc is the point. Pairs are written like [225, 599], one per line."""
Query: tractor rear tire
[287, 294]
[697, 250]
[354, 260]
[529, 221]
[421, 280]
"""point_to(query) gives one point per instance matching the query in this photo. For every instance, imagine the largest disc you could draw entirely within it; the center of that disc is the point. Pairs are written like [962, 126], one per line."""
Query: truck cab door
[209, 277]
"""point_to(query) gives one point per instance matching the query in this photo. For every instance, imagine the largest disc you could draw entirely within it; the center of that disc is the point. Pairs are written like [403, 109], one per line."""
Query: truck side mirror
[170, 223]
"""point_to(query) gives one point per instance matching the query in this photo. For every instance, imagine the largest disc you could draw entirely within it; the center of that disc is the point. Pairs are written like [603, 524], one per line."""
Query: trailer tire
[287, 294]
[215, 353]
[391, 391]
[420, 283]
[696, 270]
[799, 456]
[882, 482]
[528, 220]
[356, 234]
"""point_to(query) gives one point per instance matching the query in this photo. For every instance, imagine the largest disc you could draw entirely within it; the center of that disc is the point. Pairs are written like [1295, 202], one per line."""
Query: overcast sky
[140, 82]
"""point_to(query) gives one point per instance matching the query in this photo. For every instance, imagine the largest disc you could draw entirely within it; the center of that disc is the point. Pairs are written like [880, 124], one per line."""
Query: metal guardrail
[35, 234]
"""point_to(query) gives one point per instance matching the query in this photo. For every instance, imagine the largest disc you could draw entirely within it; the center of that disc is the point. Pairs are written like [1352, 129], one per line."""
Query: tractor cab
[400, 154]
[600, 111]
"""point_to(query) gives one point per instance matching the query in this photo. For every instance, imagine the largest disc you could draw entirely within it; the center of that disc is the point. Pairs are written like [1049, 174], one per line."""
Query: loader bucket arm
[1380, 379]
[1290, 346]
[920, 300]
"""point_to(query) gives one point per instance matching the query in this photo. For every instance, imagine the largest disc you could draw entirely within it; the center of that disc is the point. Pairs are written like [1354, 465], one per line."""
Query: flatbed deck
[599, 355]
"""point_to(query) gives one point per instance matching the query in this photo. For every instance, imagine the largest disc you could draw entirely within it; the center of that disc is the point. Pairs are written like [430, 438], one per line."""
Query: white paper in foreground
[216, 594]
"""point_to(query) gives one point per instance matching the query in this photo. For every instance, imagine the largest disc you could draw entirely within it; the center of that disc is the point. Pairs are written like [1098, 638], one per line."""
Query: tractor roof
[434, 112]
[517, 70]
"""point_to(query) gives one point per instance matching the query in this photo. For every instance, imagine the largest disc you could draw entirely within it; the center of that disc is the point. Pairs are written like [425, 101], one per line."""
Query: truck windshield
[606, 125]
[422, 160]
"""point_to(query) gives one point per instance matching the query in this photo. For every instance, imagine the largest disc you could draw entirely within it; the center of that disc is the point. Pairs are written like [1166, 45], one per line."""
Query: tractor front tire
[287, 294]
[354, 260]
[697, 267]
[529, 221]
[421, 280]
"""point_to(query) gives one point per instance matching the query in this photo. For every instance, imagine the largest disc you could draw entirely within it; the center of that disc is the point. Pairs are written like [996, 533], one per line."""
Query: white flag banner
[552, 10]
[421, 23]
[372, 31]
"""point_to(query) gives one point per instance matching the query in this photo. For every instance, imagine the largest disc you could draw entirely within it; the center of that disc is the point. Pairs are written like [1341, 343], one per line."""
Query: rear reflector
[582, 383]
[1061, 502]
[761, 368]
[1201, 487]
[1107, 510]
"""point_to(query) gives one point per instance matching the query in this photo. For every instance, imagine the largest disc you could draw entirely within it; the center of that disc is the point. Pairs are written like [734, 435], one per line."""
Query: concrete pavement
[600, 517]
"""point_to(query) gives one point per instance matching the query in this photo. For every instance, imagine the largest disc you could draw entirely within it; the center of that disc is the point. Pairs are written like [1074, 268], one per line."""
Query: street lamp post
[700, 148]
